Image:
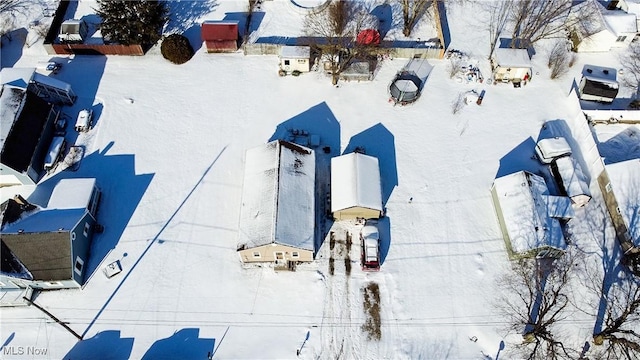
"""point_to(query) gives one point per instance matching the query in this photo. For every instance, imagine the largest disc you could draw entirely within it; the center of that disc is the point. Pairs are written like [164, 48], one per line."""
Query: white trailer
[570, 178]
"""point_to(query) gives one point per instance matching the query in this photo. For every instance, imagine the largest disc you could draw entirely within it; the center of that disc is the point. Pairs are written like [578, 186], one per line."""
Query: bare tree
[534, 301]
[534, 20]
[455, 66]
[559, 59]
[620, 335]
[337, 27]
[630, 61]
[16, 6]
[412, 11]
[499, 12]
[458, 103]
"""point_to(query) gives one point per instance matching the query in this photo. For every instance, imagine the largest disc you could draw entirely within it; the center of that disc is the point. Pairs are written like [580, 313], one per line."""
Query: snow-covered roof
[507, 57]
[295, 52]
[11, 100]
[17, 77]
[525, 210]
[620, 22]
[51, 82]
[278, 196]
[355, 182]
[421, 67]
[625, 177]
[46, 220]
[573, 179]
[72, 193]
[553, 147]
[600, 73]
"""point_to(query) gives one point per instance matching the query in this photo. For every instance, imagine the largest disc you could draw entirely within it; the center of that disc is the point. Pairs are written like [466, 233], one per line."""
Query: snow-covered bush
[177, 49]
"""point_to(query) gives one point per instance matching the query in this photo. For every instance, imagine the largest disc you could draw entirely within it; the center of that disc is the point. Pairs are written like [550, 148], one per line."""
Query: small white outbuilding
[356, 190]
[295, 58]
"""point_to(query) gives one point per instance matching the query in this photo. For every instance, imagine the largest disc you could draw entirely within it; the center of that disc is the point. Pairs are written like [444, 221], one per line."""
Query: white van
[84, 120]
[552, 148]
[56, 149]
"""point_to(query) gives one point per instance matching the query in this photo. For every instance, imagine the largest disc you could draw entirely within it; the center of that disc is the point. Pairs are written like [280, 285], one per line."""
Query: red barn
[220, 35]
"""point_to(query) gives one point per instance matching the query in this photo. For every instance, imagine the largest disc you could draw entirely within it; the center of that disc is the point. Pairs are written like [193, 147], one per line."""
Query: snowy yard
[167, 149]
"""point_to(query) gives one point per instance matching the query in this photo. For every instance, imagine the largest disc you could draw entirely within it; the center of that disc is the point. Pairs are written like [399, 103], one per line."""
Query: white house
[356, 191]
[277, 215]
[601, 29]
[295, 58]
[530, 218]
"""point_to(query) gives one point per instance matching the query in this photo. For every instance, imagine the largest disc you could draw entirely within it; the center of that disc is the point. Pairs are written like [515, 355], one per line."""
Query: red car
[370, 243]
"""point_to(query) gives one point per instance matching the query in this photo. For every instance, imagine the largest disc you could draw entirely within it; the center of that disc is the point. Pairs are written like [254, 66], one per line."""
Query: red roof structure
[220, 36]
[368, 37]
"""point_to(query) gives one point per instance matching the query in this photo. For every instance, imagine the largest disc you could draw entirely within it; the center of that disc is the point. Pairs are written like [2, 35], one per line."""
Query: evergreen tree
[132, 22]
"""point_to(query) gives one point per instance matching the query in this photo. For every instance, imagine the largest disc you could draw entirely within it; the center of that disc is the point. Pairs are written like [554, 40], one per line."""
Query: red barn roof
[220, 35]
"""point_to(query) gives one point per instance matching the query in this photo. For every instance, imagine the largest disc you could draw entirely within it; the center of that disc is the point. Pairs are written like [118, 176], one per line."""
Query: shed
[295, 58]
[220, 35]
[51, 246]
[530, 219]
[356, 190]
[511, 65]
[277, 214]
[598, 84]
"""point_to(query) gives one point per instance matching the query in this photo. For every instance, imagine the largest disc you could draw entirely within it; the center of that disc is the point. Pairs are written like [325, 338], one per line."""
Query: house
[295, 58]
[598, 84]
[530, 219]
[628, 6]
[511, 65]
[220, 35]
[26, 129]
[49, 248]
[601, 29]
[356, 191]
[277, 215]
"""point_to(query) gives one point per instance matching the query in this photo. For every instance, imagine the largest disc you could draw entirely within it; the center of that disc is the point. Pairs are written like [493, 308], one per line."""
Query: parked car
[370, 244]
[84, 120]
[55, 152]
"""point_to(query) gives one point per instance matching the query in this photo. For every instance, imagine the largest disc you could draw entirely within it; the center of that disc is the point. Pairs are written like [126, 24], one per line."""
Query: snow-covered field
[168, 152]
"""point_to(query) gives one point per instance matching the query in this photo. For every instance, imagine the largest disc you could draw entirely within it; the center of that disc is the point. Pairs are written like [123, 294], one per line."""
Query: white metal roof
[525, 210]
[355, 182]
[573, 179]
[278, 196]
[71, 193]
[17, 77]
[600, 73]
[507, 57]
[620, 22]
[295, 52]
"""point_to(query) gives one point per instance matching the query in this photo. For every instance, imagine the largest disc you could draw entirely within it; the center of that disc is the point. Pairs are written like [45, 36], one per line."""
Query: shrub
[176, 48]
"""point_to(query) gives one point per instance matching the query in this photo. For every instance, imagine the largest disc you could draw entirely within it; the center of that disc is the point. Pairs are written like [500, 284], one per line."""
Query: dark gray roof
[47, 256]
[22, 141]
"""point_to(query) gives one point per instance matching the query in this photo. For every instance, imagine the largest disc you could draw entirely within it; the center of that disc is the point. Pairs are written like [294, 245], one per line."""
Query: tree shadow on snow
[122, 189]
[12, 44]
[104, 345]
[384, 13]
[184, 14]
[379, 142]
[183, 344]
[316, 121]
[246, 24]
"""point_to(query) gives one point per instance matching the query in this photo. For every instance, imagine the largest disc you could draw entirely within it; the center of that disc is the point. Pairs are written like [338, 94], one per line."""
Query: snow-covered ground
[168, 150]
